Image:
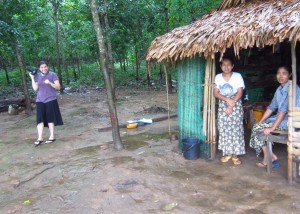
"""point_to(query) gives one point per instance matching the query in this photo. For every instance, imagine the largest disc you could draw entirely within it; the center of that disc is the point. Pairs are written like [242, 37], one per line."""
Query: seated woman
[269, 123]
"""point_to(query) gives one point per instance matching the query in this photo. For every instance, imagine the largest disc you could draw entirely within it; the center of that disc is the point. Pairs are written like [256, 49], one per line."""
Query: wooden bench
[274, 137]
[279, 137]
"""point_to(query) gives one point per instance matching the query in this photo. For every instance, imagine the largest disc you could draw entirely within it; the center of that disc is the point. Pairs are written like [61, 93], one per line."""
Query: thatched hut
[246, 28]
[256, 23]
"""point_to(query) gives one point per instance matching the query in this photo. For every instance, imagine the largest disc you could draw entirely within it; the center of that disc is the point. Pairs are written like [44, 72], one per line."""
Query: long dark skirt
[231, 130]
[48, 113]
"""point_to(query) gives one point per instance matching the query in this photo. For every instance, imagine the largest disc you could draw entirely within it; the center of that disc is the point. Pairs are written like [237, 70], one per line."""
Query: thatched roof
[254, 23]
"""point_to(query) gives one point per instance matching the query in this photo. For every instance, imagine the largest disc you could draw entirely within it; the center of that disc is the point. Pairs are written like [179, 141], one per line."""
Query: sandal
[275, 164]
[261, 165]
[38, 142]
[225, 158]
[50, 141]
[236, 161]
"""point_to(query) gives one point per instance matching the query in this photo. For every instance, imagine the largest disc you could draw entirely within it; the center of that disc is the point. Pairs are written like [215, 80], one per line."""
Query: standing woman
[47, 110]
[229, 90]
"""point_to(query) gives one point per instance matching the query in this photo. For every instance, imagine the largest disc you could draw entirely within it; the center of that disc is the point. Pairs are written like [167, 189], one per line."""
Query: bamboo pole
[213, 111]
[296, 145]
[290, 133]
[209, 106]
[295, 152]
[168, 102]
[294, 114]
[296, 134]
[293, 140]
[292, 99]
[209, 111]
[296, 109]
[294, 71]
[206, 82]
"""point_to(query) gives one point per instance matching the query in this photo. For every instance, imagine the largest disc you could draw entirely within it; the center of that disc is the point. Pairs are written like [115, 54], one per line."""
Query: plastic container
[131, 125]
[191, 148]
[258, 112]
[145, 121]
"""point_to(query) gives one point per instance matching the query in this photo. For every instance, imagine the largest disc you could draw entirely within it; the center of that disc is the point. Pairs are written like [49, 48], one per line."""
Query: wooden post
[213, 110]
[269, 156]
[167, 87]
[290, 133]
[205, 97]
[209, 102]
[292, 103]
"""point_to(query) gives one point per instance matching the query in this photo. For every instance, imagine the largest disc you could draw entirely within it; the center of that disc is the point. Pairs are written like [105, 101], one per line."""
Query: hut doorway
[258, 67]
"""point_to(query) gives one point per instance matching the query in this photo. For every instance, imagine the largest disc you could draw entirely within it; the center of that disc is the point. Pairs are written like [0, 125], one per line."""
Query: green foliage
[184, 12]
[133, 25]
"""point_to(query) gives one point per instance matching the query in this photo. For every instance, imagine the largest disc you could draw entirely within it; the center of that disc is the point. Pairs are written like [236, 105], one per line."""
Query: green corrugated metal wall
[190, 101]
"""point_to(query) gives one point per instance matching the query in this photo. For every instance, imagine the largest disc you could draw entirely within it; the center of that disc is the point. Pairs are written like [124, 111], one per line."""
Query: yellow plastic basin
[131, 125]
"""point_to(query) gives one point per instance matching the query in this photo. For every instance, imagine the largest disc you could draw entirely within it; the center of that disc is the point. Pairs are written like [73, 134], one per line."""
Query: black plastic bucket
[191, 148]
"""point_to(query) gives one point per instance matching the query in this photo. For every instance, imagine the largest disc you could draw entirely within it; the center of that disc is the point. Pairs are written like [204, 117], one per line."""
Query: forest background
[61, 32]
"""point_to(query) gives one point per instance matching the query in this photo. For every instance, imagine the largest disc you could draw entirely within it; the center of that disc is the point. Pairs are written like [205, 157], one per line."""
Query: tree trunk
[148, 74]
[160, 72]
[124, 65]
[121, 66]
[53, 67]
[137, 63]
[64, 58]
[28, 109]
[106, 75]
[169, 75]
[109, 49]
[74, 69]
[78, 66]
[192, 11]
[166, 10]
[6, 72]
[55, 15]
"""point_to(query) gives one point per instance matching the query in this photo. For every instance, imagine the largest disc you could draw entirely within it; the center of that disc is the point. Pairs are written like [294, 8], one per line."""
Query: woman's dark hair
[42, 63]
[227, 58]
[286, 67]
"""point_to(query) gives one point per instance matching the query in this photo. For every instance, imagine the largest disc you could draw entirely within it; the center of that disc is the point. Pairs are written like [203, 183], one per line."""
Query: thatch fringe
[255, 23]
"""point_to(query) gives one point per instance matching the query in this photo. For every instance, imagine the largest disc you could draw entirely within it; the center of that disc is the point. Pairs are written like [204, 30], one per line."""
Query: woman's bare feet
[274, 157]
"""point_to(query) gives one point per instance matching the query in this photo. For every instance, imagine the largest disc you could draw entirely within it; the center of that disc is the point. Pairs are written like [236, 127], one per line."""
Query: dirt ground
[82, 173]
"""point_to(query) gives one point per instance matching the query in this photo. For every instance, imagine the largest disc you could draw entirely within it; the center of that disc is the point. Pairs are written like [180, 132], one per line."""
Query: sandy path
[82, 173]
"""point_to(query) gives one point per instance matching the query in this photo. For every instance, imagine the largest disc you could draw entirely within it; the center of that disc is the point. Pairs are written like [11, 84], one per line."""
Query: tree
[183, 12]
[28, 109]
[104, 67]
[109, 48]
[55, 6]
[10, 34]
[128, 26]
